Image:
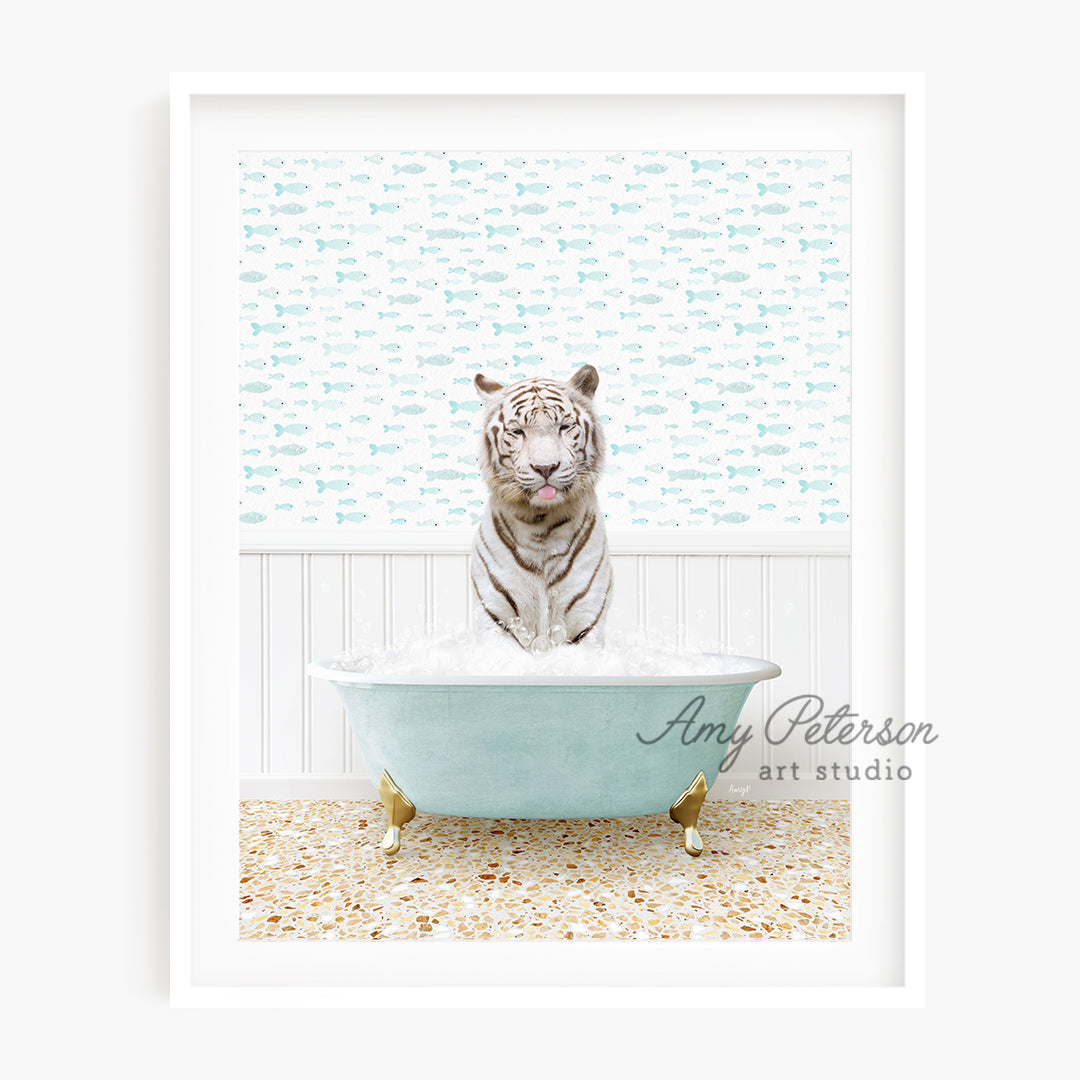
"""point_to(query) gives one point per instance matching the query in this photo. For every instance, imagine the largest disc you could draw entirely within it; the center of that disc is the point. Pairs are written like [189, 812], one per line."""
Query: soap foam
[464, 653]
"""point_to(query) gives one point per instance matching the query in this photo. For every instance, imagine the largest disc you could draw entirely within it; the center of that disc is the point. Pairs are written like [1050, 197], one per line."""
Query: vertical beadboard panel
[789, 621]
[286, 677]
[623, 607]
[327, 638]
[743, 618]
[450, 592]
[409, 585]
[366, 622]
[251, 680]
[367, 599]
[701, 585]
[833, 636]
[662, 596]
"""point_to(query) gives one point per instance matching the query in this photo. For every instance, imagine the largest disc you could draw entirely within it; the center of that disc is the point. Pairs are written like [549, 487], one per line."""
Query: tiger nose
[546, 470]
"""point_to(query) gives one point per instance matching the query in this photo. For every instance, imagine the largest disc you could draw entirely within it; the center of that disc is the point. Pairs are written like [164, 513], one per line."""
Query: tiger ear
[488, 389]
[585, 380]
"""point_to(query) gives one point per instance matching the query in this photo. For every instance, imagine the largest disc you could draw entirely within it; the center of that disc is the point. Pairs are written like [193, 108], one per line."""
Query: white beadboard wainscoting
[793, 609]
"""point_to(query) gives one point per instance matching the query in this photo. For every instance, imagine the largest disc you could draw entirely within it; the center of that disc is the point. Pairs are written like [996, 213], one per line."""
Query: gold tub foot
[684, 812]
[398, 811]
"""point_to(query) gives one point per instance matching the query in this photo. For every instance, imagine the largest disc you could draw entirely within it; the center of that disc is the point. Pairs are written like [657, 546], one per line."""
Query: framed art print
[395, 299]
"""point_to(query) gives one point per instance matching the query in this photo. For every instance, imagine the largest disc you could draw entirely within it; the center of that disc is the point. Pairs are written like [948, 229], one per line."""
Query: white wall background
[85, 593]
[295, 743]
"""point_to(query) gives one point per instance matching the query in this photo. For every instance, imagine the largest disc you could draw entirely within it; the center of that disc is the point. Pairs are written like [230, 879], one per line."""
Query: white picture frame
[878, 117]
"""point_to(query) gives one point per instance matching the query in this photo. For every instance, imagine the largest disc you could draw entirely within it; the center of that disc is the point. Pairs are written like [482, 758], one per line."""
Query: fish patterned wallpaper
[710, 289]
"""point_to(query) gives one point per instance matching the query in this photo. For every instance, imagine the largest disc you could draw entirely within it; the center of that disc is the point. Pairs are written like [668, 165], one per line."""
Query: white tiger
[540, 555]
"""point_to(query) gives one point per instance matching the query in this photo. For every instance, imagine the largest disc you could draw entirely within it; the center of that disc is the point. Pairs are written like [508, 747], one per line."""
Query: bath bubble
[495, 652]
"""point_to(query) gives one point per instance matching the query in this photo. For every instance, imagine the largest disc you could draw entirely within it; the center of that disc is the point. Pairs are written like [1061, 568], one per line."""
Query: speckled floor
[312, 869]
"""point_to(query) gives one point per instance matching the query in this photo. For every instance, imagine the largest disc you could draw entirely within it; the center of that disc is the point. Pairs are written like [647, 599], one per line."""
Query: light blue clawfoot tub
[545, 746]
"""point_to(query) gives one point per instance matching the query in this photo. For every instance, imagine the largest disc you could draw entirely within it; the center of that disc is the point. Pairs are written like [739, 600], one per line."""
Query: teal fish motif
[598, 274]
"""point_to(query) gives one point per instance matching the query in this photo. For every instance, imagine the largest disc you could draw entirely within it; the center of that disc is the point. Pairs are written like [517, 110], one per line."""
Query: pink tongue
[546, 492]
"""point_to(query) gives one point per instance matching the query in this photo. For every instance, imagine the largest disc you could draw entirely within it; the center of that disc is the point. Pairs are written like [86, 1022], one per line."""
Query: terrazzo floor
[312, 869]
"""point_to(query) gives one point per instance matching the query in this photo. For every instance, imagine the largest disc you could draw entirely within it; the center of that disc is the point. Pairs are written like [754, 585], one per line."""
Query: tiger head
[542, 445]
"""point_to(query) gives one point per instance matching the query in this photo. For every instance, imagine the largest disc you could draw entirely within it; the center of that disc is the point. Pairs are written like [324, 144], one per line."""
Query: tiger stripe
[498, 584]
[603, 562]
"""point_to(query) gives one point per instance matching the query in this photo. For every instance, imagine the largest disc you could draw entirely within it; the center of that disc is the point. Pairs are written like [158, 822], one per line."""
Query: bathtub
[545, 746]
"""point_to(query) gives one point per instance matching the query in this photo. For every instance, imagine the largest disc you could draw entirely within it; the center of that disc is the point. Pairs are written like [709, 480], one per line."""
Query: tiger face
[542, 445]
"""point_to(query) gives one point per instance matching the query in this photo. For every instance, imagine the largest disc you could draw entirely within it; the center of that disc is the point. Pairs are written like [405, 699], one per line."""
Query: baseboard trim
[731, 788]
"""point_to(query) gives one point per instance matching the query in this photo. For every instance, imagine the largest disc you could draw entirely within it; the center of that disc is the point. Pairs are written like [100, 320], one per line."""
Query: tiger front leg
[498, 626]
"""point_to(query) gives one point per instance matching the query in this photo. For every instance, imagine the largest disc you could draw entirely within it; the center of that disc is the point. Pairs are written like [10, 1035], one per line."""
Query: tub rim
[762, 671]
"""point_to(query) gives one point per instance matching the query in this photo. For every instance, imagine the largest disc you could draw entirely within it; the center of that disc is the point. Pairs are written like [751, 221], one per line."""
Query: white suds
[464, 653]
